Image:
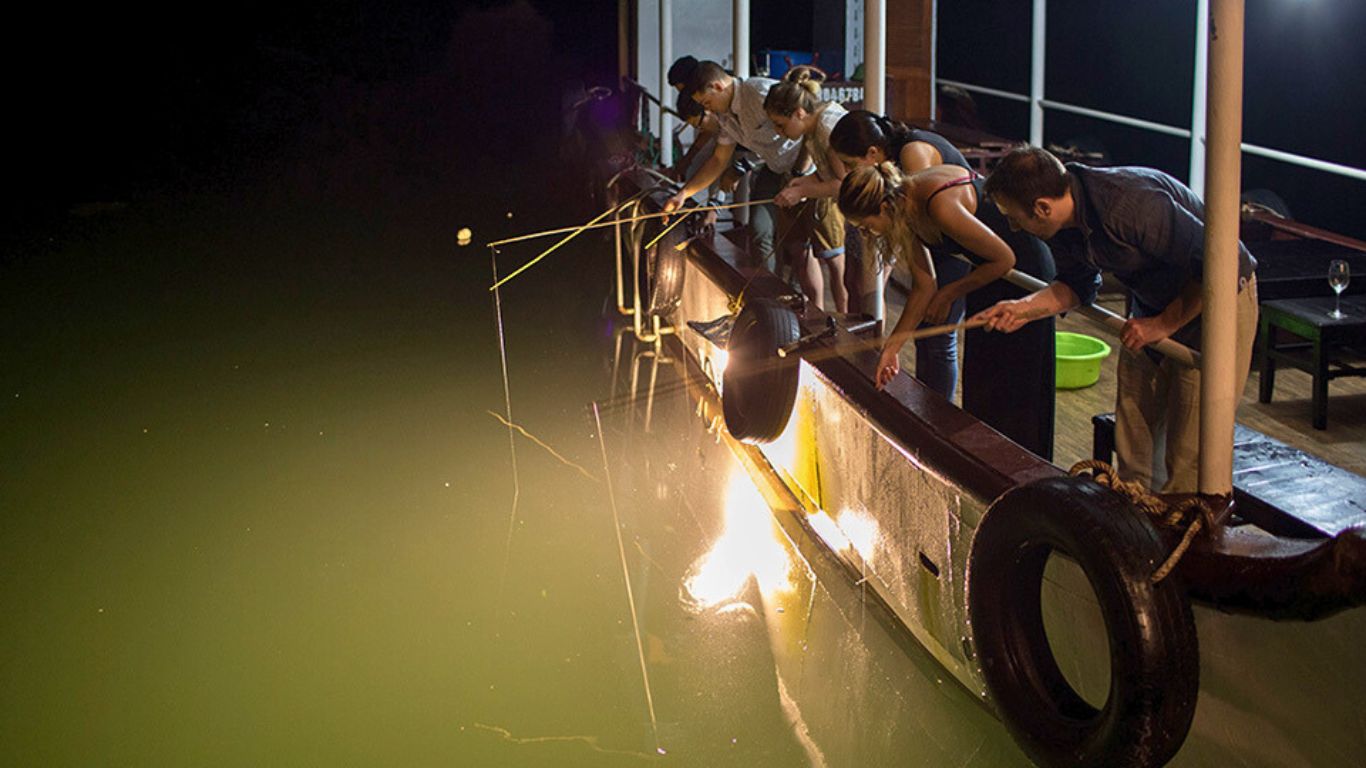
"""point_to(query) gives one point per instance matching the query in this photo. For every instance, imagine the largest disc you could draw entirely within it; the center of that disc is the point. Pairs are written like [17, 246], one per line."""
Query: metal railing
[1133, 122]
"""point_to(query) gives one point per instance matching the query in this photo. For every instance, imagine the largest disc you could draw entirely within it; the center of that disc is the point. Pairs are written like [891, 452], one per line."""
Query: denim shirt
[1147, 229]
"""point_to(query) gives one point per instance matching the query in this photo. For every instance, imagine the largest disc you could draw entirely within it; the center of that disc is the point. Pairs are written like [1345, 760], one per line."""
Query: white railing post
[1039, 30]
[1219, 329]
[666, 56]
[875, 56]
[1198, 106]
[740, 37]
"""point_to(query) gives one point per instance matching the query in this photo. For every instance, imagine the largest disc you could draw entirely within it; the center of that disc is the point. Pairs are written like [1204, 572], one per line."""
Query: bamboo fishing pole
[831, 350]
[940, 330]
[611, 210]
[1102, 317]
[667, 230]
[630, 220]
[597, 223]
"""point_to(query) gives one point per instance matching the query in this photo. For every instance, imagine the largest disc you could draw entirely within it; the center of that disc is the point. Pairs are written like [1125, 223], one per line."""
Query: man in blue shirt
[1147, 229]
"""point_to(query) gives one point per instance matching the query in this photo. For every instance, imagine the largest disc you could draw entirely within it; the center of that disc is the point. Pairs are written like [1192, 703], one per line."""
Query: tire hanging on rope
[1154, 656]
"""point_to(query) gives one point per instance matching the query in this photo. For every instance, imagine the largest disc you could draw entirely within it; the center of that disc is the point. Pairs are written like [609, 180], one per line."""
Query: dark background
[1304, 88]
[351, 100]
[110, 104]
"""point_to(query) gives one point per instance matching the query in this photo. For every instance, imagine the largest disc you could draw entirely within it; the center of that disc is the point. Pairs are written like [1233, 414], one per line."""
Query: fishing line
[512, 439]
[626, 577]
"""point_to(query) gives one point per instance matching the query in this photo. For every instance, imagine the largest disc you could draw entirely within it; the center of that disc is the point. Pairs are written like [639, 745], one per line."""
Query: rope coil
[1172, 515]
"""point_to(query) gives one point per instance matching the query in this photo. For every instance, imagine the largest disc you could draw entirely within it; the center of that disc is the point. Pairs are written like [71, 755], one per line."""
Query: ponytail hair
[860, 130]
[866, 190]
[800, 88]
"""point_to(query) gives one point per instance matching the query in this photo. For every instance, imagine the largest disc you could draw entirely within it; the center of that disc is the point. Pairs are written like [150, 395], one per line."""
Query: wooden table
[1323, 347]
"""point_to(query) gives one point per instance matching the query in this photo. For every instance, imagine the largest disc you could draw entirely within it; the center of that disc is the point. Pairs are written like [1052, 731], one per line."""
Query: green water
[255, 512]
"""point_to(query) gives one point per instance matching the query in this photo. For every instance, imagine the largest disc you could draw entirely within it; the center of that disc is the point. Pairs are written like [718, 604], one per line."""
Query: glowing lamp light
[464, 236]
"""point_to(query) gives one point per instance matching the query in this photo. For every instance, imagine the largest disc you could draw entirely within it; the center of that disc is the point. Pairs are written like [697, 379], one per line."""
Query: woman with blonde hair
[807, 213]
[942, 210]
[864, 138]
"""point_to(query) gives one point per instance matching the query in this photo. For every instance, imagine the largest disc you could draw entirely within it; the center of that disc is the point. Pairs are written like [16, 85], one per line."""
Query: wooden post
[875, 56]
[1223, 173]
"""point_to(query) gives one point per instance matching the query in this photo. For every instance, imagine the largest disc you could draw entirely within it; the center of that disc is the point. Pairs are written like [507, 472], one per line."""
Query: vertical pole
[934, 58]
[1223, 170]
[1198, 105]
[741, 56]
[1038, 37]
[666, 56]
[875, 56]
[623, 41]
[740, 37]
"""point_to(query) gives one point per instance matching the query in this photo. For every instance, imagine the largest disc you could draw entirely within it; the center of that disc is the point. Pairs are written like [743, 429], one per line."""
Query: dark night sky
[123, 99]
[1304, 90]
[120, 102]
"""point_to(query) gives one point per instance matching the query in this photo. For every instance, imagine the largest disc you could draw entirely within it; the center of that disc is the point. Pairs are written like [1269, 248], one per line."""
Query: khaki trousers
[1157, 410]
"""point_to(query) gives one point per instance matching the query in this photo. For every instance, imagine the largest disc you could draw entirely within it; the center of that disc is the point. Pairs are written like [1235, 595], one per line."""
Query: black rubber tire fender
[758, 387]
[666, 266]
[1154, 655]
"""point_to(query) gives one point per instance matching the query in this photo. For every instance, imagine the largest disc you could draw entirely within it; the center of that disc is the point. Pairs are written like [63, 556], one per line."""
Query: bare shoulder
[929, 181]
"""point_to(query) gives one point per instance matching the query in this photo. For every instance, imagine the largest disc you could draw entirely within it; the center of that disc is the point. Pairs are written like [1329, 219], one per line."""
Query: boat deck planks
[1287, 418]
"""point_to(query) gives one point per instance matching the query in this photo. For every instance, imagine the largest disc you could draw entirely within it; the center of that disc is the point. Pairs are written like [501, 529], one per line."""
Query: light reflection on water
[748, 547]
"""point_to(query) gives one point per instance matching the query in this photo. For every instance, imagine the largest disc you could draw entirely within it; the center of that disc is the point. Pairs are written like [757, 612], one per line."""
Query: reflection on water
[748, 546]
[772, 656]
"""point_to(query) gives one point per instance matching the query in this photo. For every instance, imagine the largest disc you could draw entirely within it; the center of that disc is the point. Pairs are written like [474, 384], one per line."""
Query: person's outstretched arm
[922, 290]
[709, 172]
[949, 211]
[1011, 315]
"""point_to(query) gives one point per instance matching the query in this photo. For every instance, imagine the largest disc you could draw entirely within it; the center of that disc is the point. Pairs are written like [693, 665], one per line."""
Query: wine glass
[1338, 277]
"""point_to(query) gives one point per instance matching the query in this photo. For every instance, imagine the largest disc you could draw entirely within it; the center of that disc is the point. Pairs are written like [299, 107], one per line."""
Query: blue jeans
[936, 358]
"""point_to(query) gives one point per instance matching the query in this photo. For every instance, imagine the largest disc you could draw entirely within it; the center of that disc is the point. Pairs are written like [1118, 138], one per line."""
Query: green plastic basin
[1079, 359]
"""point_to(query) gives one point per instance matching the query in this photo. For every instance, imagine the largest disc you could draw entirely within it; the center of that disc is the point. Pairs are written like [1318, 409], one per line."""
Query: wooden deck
[1287, 418]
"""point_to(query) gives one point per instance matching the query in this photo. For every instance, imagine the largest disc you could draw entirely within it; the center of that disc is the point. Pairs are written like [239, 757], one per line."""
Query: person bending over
[862, 138]
[705, 128]
[808, 220]
[738, 105]
[942, 210]
[1147, 229]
